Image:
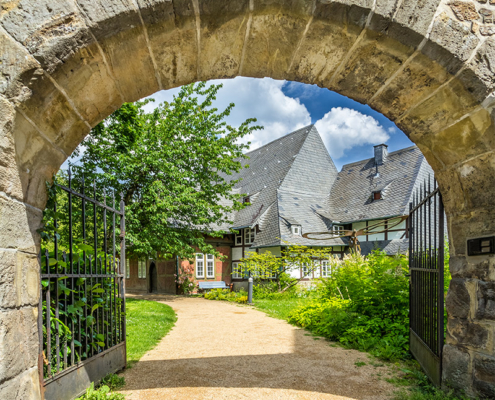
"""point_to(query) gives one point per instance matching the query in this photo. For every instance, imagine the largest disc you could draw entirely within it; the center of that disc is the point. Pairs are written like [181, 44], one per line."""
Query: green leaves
[170, 164]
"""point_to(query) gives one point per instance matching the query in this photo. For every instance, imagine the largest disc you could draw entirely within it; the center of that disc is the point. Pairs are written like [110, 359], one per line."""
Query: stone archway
[426, 64]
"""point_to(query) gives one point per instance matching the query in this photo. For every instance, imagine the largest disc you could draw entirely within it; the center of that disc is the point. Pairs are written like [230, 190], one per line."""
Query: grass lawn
[147, 322]
[279, 308]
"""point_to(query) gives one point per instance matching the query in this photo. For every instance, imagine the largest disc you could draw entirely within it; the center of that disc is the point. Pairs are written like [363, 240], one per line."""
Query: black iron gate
[81, 318]
[426, 265]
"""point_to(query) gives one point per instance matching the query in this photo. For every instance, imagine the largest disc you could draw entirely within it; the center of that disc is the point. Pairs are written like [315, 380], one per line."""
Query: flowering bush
[225, 294]
[185, 278]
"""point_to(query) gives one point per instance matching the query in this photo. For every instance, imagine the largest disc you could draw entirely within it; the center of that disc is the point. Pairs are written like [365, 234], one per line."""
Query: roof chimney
[381, 153]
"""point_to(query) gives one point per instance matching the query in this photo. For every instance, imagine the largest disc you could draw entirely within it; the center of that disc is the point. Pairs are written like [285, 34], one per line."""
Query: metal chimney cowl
[381, 152]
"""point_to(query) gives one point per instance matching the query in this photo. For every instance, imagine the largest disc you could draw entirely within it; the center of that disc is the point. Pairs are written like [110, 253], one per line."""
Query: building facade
[295, 195]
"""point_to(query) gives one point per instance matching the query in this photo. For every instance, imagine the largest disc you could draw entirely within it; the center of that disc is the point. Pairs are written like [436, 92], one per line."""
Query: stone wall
[426, 64]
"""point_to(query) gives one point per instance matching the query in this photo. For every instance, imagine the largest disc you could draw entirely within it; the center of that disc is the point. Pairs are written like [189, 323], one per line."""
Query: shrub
[363, 305]
[225, 294]
[102, 393]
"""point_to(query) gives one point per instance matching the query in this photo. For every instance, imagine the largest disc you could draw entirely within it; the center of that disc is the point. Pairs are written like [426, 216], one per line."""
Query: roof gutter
[369, 219]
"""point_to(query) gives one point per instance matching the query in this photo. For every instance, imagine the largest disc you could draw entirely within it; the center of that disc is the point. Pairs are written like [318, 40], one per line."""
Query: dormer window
[296, 230]
[249, 235]
[338, 229]
[377, 195]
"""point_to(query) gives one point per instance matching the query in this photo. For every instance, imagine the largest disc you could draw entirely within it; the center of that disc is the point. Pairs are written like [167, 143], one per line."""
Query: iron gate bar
[426, 290]
[99, 270]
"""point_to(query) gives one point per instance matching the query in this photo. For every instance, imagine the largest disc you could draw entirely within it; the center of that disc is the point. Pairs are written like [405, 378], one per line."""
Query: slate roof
[350, 197]
[293, 181]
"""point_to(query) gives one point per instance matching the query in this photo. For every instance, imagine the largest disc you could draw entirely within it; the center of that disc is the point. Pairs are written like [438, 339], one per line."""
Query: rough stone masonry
[426, 64]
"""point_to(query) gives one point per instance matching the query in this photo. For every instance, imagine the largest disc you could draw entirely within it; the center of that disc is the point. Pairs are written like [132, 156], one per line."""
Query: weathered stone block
[223, 32]
[173, 40]
[450, 43]
[19, 69]
[18, 341]
[135, 75]
[361, 77]
[484, 376]
[477, 178]
[327, 41]
[474, 268]
[449, 183]
[272, 40]
[24, 386]
[412, 84]
[456, 365]
[473, 224]
[449, 104]
[19, 279]
[53, 115]
[477, 76]
[486, 300]
[89, 84]
[464, 11]
[109, 17]
[458, 301]
[20, 231]
[37, 160]
[51, 31]
[10, 182]
[469, 137]
[468, 333]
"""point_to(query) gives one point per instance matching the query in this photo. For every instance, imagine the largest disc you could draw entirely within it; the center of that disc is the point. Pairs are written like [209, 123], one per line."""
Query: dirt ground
[220, 350]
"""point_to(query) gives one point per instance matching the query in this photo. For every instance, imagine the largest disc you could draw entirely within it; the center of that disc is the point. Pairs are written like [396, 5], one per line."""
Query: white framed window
[142, 269]
[200, 265]
[325, 269]
[296, 230]
[237, 270]
[305, 270]
[210, 266]
[238, 239]
[249, 235]
[127, 268]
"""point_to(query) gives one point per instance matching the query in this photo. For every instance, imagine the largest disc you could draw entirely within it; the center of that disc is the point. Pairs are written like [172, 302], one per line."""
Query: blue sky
[348, 129]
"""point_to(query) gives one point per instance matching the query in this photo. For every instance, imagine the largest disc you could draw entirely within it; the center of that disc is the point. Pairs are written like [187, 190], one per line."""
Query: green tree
[169, 165]
[294, 257]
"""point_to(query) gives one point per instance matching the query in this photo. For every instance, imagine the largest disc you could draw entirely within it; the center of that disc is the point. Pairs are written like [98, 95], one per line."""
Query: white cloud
[343, 128]
[262, 99]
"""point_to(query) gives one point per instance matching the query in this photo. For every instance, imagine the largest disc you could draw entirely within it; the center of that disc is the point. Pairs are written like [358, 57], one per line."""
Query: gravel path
[219, 350]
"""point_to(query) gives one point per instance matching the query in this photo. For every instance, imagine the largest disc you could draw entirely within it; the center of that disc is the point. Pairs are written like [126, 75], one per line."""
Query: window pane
[210, 265]
[200, 265]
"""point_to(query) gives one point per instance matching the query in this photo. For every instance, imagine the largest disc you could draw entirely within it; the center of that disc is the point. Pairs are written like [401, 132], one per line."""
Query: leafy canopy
[169, 164]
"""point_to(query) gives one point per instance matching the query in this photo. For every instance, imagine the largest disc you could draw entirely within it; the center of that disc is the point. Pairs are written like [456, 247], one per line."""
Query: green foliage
[102, 393]
[113, 381]
[147, 323]
[281, 307]
[265, 265]
[169, 165]
[225, 294]
[363, 305]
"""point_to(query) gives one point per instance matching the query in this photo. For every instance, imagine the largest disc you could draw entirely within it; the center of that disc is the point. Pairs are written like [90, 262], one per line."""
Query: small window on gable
[296, 230]
[245, 200]
[377, 196]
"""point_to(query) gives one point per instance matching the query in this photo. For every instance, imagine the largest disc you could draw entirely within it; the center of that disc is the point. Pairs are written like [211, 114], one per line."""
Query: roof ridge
[392, 153]
[281, 138]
